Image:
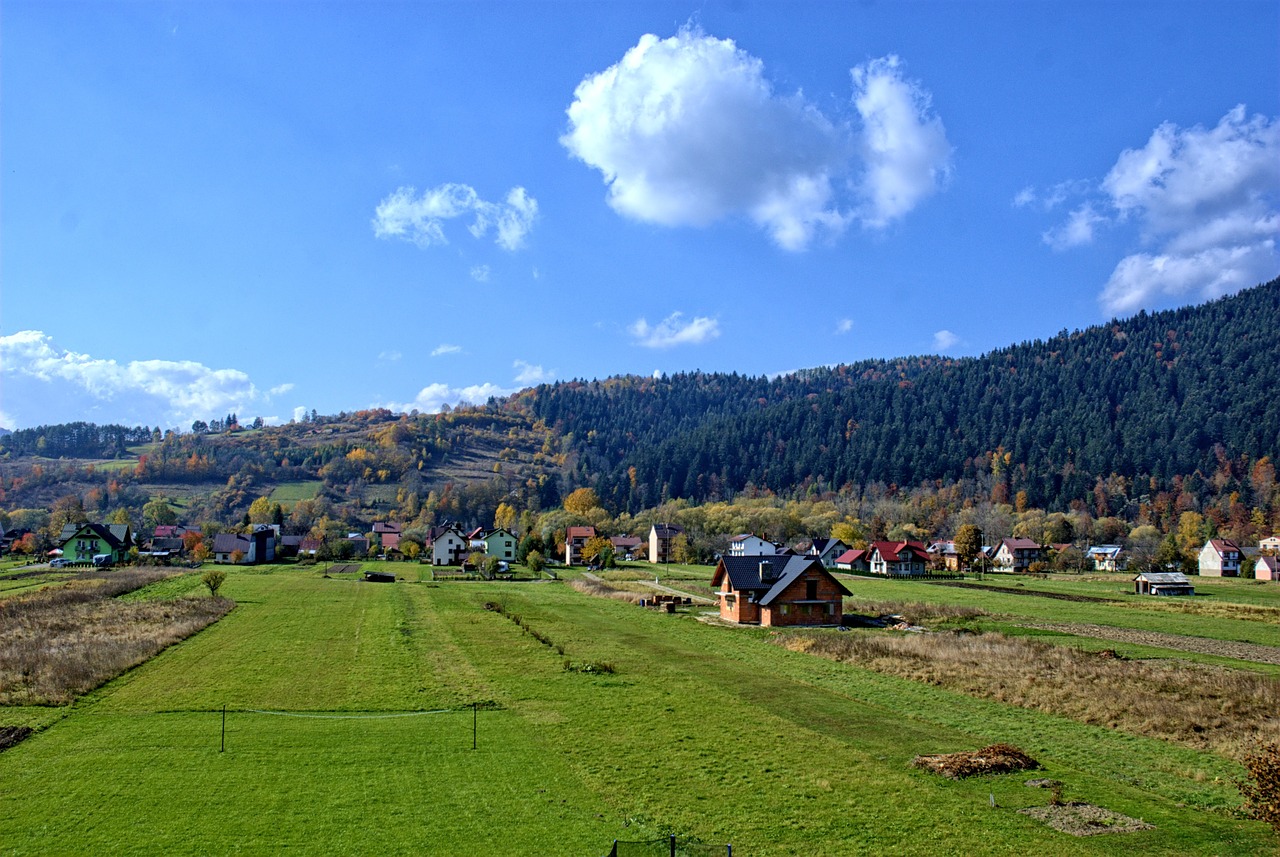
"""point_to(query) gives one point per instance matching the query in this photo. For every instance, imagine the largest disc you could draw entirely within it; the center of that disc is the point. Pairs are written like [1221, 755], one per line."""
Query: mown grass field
[292, 492]
[708, 732]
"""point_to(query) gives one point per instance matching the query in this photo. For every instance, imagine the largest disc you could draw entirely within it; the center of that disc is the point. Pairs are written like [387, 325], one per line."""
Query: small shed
[1162, 583]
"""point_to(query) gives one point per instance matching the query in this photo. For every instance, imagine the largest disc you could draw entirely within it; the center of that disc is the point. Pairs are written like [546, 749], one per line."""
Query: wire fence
[668, 846]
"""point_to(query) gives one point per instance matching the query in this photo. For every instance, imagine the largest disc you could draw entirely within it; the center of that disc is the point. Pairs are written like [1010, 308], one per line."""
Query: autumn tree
[263, 511]
[582, 501]
[535, 562]
[504, 518]
[213, 580]
[968, 542]
[595, 546]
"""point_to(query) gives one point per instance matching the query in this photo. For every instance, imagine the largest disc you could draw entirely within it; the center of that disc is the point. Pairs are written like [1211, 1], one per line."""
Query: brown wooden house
[778, 590]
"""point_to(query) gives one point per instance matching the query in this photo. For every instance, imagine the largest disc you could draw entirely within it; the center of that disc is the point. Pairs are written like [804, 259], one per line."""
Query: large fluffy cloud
[433, 397]
[47, 384]
[421, 218]
[1206, 204]
[688, 130]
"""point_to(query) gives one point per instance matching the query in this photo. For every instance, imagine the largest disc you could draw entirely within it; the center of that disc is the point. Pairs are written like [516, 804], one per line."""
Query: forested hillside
[1139, 421]
[1153, 397]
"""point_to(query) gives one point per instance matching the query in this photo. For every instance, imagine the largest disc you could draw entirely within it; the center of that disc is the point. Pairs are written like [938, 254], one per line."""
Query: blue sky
[265, 208]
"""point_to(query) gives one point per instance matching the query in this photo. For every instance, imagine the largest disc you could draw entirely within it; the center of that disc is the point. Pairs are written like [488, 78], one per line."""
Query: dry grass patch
[996, 759]
[1228, 711]
[59, 643]
[601, 590]
[1084, 819]
[915, 612]
[1216, 610]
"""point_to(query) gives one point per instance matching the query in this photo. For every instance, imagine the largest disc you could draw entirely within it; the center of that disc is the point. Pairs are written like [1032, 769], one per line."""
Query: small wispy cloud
[389, 356]
[480, 273]
[671, 331]
[421, 219]
[945, 340]
[528, 373]
[843, 326]
[445, 348]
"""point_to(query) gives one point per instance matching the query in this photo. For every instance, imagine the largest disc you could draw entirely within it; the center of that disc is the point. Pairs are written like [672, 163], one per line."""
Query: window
[811, 590]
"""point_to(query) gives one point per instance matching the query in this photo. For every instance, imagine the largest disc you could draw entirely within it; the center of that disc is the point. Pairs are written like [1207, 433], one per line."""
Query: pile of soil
[1085, 819]
[11, 736]
[996, 759]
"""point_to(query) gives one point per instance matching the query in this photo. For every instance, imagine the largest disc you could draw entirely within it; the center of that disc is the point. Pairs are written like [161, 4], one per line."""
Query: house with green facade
[82, 542]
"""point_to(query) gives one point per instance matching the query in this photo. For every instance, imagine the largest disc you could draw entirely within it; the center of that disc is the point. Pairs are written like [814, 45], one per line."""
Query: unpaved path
[1201, 645]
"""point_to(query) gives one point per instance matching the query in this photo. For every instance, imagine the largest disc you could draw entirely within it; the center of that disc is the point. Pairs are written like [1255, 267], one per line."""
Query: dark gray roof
[231, 542]
[666, 531]
[1165, 577]
[115, 535]
[769, 575]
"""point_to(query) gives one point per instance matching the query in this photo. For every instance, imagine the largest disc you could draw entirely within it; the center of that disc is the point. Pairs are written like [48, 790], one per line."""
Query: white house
[1220, 558]
[827, 551]
[1105, 557]
[448, 546]
[749, 544]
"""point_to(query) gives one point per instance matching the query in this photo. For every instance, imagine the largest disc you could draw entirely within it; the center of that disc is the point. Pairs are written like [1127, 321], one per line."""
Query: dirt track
[1201, 645]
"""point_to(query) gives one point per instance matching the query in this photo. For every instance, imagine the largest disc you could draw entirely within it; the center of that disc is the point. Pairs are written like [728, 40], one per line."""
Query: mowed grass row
[708, 732]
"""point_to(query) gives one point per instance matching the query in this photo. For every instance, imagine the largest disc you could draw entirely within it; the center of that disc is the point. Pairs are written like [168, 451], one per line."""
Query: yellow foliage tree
[582, 501]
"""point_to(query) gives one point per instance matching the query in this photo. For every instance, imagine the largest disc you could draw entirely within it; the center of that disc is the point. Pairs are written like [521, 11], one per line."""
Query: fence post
[223, 748]
[673, 845]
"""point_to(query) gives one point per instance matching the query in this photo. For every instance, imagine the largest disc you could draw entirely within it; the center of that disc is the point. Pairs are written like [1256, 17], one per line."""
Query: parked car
[59, 563]
[101, 560]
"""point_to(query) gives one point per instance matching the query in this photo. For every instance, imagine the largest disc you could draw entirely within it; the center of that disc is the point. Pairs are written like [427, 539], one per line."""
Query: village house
[660, 538]
[1220, 558]
[1270, 546]
[826, 551]
[1106, 557]
[855, 559]
[1268, 568]
[253, 549]
[626, 547]
[778, 590]
[943, 553]
[749, 544]
[500, 543]
[575, 539]
[899, 559]
[448, 545]
[1017, 554]
[388, 535]
[82, 542]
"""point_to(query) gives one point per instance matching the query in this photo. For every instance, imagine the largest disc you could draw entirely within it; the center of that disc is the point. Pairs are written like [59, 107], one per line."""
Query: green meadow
[349, 730]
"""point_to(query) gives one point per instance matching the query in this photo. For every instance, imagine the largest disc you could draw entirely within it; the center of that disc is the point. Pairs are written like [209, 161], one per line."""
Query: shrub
[1262, 789]
[213, 579]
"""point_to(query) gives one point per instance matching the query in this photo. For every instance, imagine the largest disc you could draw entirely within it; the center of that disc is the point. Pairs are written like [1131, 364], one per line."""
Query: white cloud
[945, 340]
[45, 383]
[906, 150]
[687, 131]
[1206, 207]
[279, 390]
[670, 331]
[299, 414]
[1077, 231]
[389, 356]
[421, 220]
[433, 397]
[445, 348]
[480, 273]
[1024, 197]
[530, 374]
[844, 325]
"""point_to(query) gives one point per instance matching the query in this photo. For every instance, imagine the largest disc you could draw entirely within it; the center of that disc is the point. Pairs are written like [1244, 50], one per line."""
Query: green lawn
[708, 732]
[292, 492]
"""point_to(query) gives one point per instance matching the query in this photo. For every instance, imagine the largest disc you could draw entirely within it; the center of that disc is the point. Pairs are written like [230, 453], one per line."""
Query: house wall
[84, 548]
[734, 606]
[752, 546]
[502, 545]
[1213, 564]
[791, 607]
